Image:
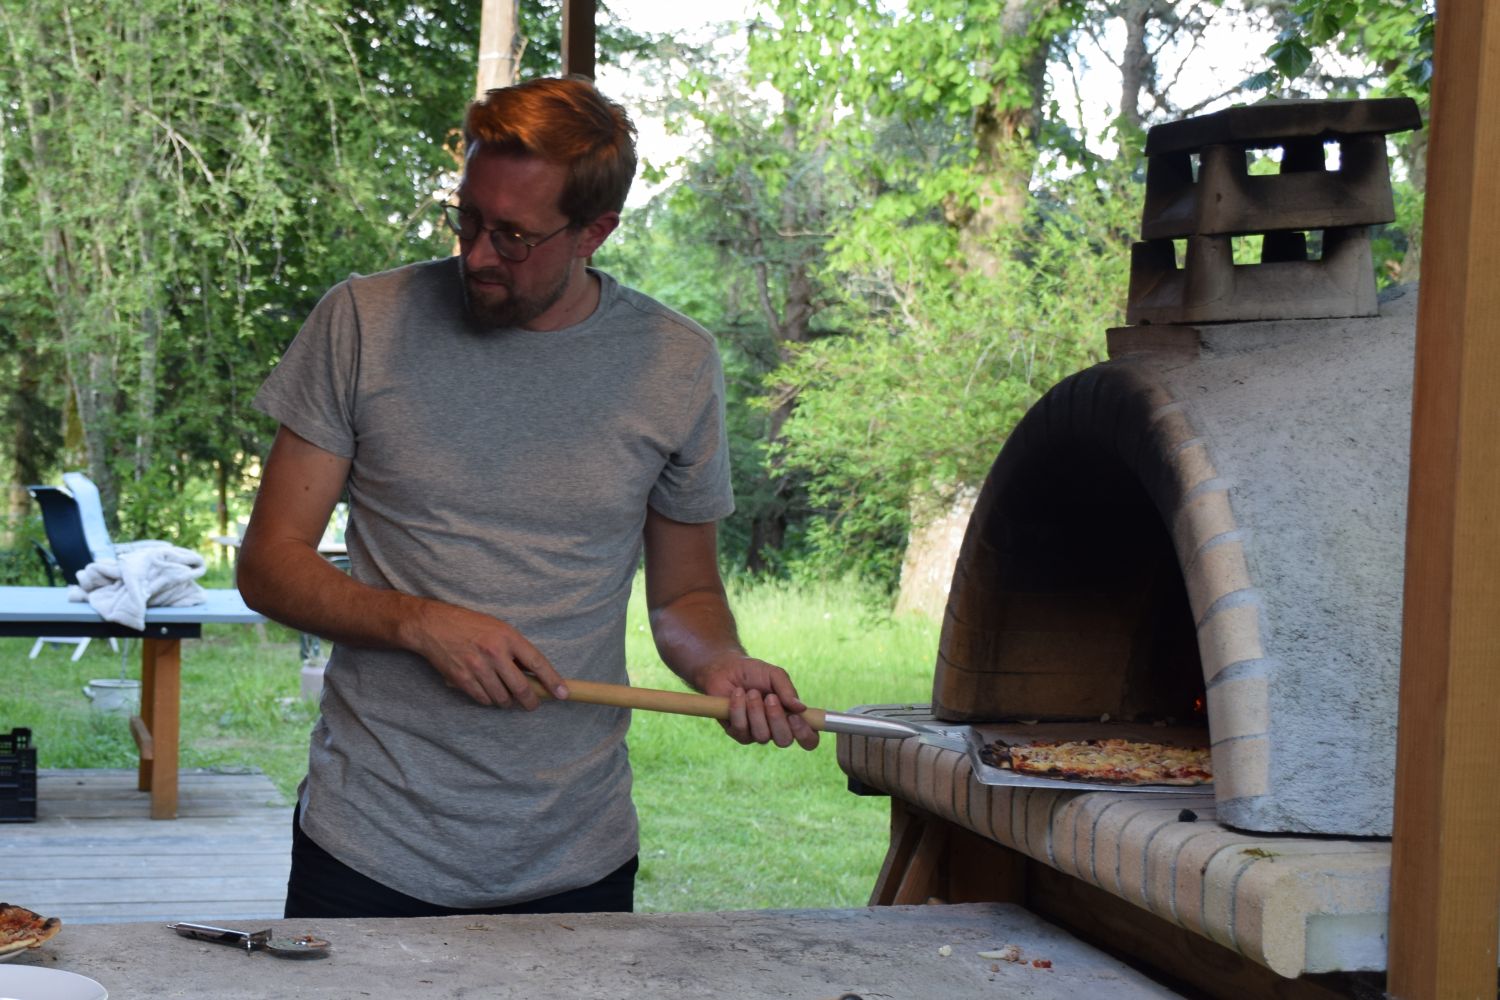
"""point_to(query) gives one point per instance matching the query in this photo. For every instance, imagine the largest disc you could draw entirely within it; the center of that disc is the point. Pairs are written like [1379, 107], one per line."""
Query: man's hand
[282, 576]
[695, 635]
[485, 658]
[763, 703]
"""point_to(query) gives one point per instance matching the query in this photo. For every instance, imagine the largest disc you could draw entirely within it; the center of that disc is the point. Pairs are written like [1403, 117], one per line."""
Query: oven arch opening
[1069, 601]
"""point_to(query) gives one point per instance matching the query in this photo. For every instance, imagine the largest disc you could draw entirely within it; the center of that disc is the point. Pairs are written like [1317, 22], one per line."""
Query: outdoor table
[813, 954]
[35, 611]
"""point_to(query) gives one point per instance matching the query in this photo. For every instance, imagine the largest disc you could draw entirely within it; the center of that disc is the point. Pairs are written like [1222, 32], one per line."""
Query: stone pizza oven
[1218, 530]
[1205, 530]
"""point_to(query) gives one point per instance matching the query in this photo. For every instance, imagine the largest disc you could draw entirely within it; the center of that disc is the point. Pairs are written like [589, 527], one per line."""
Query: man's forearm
[289, 582]
[693, 632]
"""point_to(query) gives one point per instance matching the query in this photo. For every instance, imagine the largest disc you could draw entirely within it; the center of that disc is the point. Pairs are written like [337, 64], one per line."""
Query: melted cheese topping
[1113, 760]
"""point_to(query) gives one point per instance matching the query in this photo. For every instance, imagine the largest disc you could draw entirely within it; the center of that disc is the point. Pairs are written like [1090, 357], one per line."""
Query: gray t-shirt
[509, 472]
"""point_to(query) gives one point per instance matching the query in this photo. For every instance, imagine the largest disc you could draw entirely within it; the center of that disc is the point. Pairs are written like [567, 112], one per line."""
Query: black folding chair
[69, 553]
[49, 564]
[64, 526]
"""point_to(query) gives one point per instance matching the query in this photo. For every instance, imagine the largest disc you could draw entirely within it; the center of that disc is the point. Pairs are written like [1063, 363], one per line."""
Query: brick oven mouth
[1072, 585]
[1071, 591]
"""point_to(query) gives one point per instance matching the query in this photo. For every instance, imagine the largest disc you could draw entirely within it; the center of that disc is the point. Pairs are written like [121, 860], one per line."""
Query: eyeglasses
[507, 243]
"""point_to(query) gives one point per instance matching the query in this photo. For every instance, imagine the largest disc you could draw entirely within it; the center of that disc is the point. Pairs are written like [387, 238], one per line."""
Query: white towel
[143, 576]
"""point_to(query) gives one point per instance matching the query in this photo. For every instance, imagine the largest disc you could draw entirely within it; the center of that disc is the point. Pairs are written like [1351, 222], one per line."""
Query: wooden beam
[931, 858]
[906, 831]
[578, 37]
[161, 706]
[142, 737]
[1445, 871]
[922, 881]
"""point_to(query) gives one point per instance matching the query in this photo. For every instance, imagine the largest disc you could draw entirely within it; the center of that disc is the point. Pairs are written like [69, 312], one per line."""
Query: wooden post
[142, 732]
[578, 37]
[1445, 870]
[161, 697]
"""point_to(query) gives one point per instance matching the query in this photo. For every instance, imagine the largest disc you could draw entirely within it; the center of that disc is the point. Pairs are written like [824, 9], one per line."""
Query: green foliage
[1389, 244]
[856, 200]
[874, 226]
[186, 521]
[752, 211]
[938, 60]
[1395, 35]
[180, 181]
[195, 174]
[943, 361]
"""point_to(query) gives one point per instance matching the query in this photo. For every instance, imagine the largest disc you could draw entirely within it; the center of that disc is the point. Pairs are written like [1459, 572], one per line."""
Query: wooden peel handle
[704, 706]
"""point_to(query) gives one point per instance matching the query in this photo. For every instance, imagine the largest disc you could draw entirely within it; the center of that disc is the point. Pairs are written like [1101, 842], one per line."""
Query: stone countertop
[885, 952]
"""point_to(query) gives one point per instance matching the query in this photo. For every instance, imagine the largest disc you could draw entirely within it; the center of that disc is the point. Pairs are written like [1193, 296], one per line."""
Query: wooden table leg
[140, 726]
[161, 690]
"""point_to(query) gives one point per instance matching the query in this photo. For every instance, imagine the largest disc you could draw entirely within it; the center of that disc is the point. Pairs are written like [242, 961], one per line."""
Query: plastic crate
[17, 777]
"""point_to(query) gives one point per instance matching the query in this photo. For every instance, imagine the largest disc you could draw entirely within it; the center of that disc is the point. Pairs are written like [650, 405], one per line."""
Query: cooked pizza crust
[1112, 761]
[21, 928]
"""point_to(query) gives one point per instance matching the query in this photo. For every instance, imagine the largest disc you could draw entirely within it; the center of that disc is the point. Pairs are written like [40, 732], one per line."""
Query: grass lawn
[723, 827]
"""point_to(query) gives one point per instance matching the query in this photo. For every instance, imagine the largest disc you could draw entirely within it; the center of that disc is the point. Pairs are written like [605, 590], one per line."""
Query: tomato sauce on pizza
[21, 928]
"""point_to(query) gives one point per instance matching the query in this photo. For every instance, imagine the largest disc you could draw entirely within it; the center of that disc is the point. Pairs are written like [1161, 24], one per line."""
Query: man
[513, 430]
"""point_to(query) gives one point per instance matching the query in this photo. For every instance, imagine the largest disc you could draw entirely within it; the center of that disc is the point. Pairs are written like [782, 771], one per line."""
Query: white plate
[28, 982]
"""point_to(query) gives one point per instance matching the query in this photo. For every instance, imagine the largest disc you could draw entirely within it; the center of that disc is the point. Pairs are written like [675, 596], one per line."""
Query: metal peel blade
[869, 725]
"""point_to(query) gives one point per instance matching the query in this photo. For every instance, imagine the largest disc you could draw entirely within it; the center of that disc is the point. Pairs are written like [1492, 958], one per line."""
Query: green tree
[1395, 37]
[895, 420]
[185, 175]
[966, 76]
[179, 183]
[987, 251]
[938, 269]
[762, 193]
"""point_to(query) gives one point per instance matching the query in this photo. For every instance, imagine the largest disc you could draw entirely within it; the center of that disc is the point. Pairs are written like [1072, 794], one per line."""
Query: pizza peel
[709, 706]
[965, 739]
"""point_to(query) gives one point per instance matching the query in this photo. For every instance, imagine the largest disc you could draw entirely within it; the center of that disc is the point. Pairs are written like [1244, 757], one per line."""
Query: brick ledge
[1293, 904]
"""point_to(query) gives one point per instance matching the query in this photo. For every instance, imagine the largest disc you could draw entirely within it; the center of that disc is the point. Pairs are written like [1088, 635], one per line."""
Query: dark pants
[323, 886]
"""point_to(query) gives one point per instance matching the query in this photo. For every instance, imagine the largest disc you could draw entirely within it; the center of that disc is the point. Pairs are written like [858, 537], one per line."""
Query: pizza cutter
[716, 707]
[306, 946]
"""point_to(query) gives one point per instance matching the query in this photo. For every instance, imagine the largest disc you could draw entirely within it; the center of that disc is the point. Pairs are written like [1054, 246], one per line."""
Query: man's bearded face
[519, 195]
[492, 300]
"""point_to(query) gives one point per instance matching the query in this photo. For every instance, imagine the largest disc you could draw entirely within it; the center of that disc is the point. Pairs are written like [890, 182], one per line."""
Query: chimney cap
[1272, 122]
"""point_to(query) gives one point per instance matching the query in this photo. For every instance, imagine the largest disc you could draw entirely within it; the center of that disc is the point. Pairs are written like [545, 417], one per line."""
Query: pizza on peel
[1109, 761]
[21, 929]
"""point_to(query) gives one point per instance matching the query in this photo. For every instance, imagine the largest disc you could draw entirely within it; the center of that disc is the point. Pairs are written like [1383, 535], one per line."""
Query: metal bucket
[113, 696]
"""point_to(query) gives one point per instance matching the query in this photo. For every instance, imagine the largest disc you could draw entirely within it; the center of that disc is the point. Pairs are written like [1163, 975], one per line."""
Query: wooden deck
[94, 855]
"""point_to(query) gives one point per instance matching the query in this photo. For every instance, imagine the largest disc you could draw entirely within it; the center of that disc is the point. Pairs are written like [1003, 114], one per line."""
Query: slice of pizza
[21, 928]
